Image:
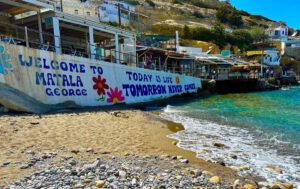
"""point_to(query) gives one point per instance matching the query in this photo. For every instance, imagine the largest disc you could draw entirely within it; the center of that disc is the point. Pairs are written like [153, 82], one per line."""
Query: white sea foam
[252, 159]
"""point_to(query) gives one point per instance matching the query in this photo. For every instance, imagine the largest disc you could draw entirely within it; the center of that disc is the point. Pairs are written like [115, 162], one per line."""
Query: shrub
[198, 14]
[176, 2]
[228, 14]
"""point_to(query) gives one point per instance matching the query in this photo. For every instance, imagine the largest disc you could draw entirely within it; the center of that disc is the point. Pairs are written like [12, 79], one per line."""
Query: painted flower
[115, 96]
[100, 85]
[177, 80]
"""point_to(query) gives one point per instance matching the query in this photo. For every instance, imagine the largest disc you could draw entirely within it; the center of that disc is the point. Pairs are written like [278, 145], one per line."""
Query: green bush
[176, 2]
[230, 15]
[198, 14]
[242, 38]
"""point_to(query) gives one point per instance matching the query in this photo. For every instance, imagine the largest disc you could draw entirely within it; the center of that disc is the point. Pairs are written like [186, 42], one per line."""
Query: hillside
[197, 13]
[205, 22]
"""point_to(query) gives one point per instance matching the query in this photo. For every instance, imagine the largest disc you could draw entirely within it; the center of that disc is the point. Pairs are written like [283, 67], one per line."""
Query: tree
[258, 34]
[228, 14]
[202, 34]
[222, 12]
[242, 38]
[234, 18]
[186, 32]
[219, 35]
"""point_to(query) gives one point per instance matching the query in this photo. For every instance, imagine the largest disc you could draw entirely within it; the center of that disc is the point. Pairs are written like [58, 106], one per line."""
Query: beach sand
[107, 133]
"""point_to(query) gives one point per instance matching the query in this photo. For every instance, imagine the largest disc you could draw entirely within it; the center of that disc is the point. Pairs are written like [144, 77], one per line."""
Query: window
[76, 11]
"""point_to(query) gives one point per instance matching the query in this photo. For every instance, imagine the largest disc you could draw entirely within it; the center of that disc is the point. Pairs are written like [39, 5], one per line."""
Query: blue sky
[279, 10]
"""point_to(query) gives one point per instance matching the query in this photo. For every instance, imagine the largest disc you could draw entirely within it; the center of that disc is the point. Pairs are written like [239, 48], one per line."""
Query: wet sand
[107, 133]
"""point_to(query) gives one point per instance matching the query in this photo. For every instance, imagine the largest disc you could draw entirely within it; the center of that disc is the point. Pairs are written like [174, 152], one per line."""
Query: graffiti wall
[53, 79]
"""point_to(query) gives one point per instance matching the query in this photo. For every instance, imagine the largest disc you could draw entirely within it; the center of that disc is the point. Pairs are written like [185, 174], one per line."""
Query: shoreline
[27, 136]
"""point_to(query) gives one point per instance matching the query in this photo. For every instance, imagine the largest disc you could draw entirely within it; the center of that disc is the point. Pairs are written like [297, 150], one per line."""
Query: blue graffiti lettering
[65, 92]
[144, 90]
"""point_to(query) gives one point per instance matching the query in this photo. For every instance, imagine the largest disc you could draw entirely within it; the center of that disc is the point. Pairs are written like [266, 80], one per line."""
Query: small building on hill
[279, 32]
[109, 12]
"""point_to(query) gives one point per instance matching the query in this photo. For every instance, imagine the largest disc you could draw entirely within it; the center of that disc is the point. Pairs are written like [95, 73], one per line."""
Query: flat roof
[14, 7]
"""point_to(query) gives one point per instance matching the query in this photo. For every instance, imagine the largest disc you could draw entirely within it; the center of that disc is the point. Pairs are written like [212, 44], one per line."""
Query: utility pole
[119, 15]
[262, 61]
[61, 6]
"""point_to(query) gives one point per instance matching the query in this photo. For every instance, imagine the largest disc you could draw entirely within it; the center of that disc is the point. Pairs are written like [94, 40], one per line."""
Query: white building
[279, 32]
[108, 12]
[85, 9]
[272, 57]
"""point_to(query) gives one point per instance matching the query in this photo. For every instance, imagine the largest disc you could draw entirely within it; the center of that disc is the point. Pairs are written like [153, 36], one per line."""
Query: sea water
[260, 132]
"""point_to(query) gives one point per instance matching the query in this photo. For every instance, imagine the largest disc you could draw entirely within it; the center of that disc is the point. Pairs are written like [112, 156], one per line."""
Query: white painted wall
[52, 79]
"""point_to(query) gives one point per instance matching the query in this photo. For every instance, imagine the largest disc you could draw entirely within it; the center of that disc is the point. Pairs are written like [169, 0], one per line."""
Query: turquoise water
[274, 114]
[260, 128]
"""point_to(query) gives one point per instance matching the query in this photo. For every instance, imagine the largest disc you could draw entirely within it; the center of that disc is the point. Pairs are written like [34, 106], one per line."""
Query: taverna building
[52, 59]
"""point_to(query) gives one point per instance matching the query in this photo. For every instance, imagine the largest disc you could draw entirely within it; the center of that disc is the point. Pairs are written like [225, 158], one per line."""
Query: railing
[30, 38]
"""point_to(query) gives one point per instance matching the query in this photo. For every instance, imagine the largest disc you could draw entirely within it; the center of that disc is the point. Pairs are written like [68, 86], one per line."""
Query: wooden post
[26, 37]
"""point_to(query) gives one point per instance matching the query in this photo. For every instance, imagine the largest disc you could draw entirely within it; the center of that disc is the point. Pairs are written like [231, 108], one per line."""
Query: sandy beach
[104, 133]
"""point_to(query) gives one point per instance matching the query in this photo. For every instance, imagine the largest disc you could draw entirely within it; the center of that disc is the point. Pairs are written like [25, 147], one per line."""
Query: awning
[14, 7]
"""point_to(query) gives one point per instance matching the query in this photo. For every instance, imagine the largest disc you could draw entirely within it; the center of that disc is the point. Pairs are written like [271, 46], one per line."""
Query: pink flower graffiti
[115, 96]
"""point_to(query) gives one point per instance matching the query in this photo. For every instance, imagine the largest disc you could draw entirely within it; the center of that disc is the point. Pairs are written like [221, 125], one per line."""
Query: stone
[122, 174]
[221, 163]
[184, 160]
[263, 184]
[90, 150]
[249, 186]
[6, 163]
[88, 167]
[179, 157]
[174, 143]
[234, 156]
[34, 123]
[99, 183]
[87, 181]
[244, 168]
[237, 184]
[277, 187]
[275, 169]
[214, 179]
[75, 151]
[282, 185]
[196, 173]
[218, 145]
[207, 173]
[134, 182]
